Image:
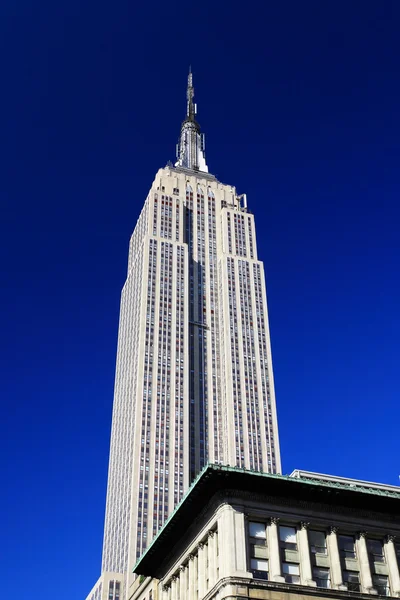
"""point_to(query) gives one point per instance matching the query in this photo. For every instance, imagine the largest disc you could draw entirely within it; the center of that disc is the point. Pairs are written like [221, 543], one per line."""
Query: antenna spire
[190, 148]
[191, 107]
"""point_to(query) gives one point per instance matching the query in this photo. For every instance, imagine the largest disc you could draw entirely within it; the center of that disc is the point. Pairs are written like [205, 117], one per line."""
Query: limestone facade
[322, 540]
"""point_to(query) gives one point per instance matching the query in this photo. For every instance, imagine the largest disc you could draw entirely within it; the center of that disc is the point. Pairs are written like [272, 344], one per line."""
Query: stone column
[336, 566]
[393, 567]
[240, 539]
[173, 588]
[166, 592]
[196, 576]
[191, 577]
[212, 577]
[182, 582]
[305, 561]
[206, 567]
[201, 579]
[217, 556]
[275, 570]
[363, 560]
[226, 540]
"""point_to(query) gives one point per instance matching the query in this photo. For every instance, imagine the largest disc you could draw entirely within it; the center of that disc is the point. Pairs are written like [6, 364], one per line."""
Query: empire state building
[194, 382]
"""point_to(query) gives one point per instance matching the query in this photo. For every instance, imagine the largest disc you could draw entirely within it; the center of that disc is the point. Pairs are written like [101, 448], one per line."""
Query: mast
[190, 148]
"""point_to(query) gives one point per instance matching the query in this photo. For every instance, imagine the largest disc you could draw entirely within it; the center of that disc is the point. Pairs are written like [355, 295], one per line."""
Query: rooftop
[344, 481]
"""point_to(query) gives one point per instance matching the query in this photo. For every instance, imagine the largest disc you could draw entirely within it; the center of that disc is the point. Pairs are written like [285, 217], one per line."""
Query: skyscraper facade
[194, 381]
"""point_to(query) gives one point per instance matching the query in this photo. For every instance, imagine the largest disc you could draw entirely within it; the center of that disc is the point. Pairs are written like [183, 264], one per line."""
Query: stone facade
[275, 537]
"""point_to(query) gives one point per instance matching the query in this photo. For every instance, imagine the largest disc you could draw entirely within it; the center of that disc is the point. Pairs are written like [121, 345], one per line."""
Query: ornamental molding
[390, 538]
[361, 535]
[333, 529]
[304, 524]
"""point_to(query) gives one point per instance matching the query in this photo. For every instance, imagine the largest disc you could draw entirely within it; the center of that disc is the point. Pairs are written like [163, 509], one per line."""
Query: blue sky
[300, 105]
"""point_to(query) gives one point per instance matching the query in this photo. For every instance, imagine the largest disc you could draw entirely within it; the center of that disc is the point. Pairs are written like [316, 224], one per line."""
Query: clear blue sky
[300, 105]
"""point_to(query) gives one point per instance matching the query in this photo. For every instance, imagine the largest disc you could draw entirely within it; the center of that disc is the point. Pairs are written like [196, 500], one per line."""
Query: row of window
[259, 564]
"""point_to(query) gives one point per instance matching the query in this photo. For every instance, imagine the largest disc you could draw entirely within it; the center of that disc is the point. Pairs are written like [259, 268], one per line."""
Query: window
[257, 530]
[352, 579]
[317, 541]
[381, 584]
[375, 550]
[291, 572]
[346, 546]
[259, 568]
[287, 536]
[397, 548]
[111, 590]
[322, 577]
[258, 550]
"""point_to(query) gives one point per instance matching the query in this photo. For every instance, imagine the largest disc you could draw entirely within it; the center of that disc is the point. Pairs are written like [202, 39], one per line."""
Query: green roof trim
[192, 485]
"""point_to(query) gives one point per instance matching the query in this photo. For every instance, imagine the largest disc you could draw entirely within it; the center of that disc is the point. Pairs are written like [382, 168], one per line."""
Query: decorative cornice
[308, 505]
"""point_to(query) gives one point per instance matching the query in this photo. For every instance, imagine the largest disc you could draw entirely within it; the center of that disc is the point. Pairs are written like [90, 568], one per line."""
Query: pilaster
[182, 582]
[363, 560]
[201, 578]
[173, 588]
[275, 571]
[212, 567]
[393, 567]
[192, 577]
[333, 553]
[227, 551]
[306, 576]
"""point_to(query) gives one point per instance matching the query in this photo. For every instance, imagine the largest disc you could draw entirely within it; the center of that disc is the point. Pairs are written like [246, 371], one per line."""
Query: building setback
[194, 381]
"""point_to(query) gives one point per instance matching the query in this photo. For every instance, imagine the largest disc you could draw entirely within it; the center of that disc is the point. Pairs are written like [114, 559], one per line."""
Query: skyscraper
[194, 380]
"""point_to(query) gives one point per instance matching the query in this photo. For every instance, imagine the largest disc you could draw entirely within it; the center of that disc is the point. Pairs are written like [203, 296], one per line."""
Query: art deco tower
[194, 380]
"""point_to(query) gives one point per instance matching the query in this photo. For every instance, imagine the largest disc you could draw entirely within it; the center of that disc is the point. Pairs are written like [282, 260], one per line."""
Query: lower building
[240, 534]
